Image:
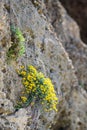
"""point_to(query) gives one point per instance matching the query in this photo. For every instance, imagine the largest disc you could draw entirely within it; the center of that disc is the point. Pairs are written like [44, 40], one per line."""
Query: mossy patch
[17, 47]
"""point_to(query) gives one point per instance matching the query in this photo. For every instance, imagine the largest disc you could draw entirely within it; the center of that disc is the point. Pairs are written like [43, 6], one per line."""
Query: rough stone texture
[71, 115]
[45, 51]
[70, 38]
[78, 10]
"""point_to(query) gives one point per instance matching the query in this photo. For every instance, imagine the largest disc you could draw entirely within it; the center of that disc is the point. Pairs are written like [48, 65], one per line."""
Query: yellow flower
[39, 87]
[32, 69]
[21, 67]
[24, 99]
[23, 73]
[29, 77]
[26, 83]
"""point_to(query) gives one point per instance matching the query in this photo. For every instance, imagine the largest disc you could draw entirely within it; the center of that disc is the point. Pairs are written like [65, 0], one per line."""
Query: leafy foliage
[37, 89]
[17, 44]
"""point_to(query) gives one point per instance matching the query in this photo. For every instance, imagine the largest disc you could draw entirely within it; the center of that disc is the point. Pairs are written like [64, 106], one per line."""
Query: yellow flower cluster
[37, 88]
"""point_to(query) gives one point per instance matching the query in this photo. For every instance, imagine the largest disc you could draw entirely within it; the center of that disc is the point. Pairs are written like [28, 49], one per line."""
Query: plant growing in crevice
[38, 90]
[17, 47]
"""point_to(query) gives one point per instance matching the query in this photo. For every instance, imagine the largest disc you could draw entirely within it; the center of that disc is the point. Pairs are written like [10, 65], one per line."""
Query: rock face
[70, 38]
[45, 50]
[78, 10]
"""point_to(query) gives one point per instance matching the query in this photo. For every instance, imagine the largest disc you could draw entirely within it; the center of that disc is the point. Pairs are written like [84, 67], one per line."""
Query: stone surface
[70, 38]
[78, 10]
[45, 51]
[71, 115]
[6, 125]
[20, 118]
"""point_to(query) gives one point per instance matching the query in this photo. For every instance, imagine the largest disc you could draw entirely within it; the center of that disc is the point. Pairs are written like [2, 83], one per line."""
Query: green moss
[17, 47]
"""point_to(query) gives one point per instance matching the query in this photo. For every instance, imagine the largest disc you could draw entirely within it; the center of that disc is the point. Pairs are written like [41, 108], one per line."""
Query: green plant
[17, 44]
[37, 89]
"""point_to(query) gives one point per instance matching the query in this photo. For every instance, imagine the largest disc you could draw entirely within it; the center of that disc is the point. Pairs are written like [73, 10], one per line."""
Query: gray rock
[70, 38]
[45, 51]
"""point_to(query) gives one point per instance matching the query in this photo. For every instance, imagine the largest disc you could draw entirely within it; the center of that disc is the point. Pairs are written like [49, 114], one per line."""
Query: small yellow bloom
[21, 67]
[26, 83]
[23, 73]
[29, 77]
[24, 99]
[32, 69]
